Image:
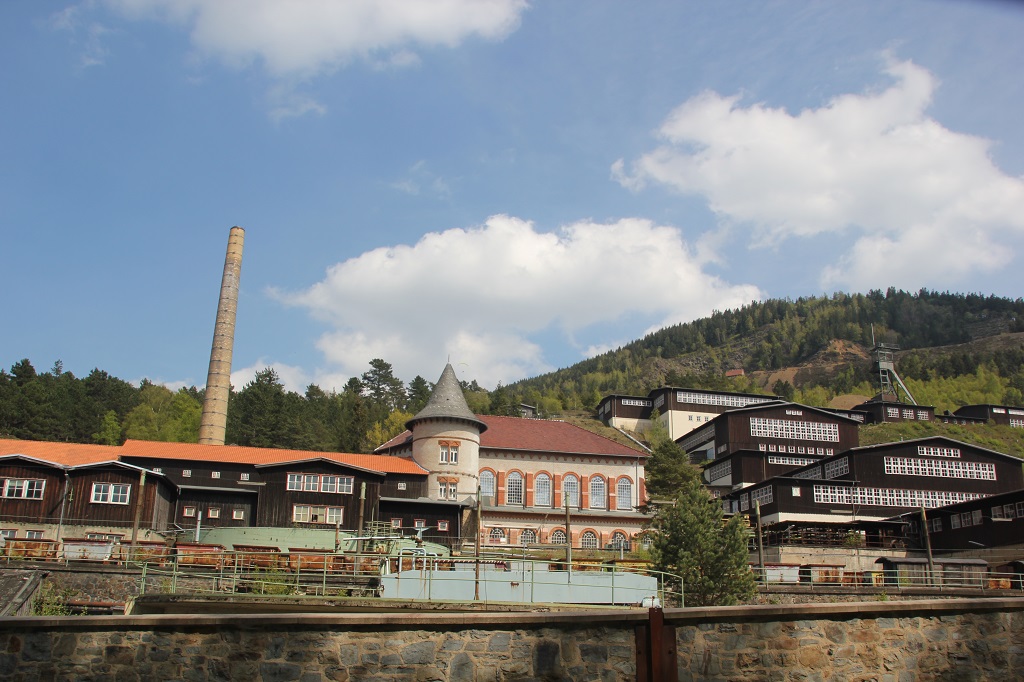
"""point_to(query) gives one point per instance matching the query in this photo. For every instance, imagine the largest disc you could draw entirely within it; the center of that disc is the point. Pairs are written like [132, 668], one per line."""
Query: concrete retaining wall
[973, 639]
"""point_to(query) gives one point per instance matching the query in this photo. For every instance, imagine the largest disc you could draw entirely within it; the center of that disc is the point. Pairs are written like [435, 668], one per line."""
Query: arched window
[571, 490]
[558, 537]
[542, 491]
[528, 537]
[624, 494]
[514, 488]
[598, 493]
[487, 486]
[497, 535]
[619, 540]
[588, 540]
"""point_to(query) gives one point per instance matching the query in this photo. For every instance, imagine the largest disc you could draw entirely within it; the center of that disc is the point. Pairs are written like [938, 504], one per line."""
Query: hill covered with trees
[957, 349]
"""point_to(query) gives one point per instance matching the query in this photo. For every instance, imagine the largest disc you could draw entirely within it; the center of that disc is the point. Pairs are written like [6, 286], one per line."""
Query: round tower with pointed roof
[446, 440]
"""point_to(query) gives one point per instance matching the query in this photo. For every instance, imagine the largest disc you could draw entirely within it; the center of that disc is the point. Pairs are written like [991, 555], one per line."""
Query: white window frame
[213, 513]
[442, 526]
[624, 494]
[589, 540]
[24, 488]
[188, 511]
[571, 490]
[238, 515]
[111, 493]
[598, 492]
[515, 489]
[558, 537]
[542, 490]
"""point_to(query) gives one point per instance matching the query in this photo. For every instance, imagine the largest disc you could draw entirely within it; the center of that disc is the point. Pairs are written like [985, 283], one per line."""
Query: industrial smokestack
[218, 381]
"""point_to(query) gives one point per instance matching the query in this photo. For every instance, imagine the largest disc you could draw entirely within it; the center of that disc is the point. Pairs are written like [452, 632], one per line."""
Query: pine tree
[692, 541]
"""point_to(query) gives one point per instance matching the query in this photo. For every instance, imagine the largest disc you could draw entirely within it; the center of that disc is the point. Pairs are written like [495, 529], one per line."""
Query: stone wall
[971, 639]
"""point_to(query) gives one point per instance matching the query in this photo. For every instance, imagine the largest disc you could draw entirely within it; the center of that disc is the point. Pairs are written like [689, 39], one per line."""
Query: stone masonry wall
[971, 639]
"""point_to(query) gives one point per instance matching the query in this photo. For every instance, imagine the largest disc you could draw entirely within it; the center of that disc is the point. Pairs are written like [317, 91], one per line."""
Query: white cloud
[420, 180]
[478, 295]
[924, 203]
[301, 38]
[87, 36]
[293, 378]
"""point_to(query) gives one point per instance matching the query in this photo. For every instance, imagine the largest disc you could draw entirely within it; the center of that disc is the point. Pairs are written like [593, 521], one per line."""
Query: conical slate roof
[447, 402]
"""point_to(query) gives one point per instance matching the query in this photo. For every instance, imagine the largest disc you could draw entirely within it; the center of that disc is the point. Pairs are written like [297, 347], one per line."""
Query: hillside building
[680, 410]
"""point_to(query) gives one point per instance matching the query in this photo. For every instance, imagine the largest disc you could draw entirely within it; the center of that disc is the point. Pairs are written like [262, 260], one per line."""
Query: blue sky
[514, 186]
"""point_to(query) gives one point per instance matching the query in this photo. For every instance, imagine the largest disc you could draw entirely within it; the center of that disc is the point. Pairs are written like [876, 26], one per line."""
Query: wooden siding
[277, 502]
[733, 430]
[415, 486]
[45, 510]
[226, 504]
[431, 514]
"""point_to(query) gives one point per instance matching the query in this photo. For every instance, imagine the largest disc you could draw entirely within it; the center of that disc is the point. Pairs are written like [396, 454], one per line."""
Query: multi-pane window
[598, 493]
[496, 535]
[790, 461]
[762, 495]
[307, 513]
[514, 488]
[34, 534]
[588, 540]
[542, 491]
[940, 468]
[720, 470]
[935, 525]
[715, 399]
[624, 494]
[793, 429]
[922, 415]
[933, 451]
[528, 537]
[954, 521]
[243, 477]
[893, 412]
[110, 493]
[214, 474]
[558, 537]
[837, 467]
[620, 540]
[571, 490]
[449, 451]
[487, 486]
[186, 473]
[888, 497]
[908, 414]
[453, 491]
[25, 488]
[326, 483]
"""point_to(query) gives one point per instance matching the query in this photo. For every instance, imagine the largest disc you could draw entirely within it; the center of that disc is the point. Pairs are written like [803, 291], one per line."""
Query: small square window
[243, 477]
[157, 470]
[186, 473]
[442, 526]
[238, 514]
[419, 524]
[396, 523]
[401, 485]
[189, 512]
[214, 474]
[213, 513]
[796, 491]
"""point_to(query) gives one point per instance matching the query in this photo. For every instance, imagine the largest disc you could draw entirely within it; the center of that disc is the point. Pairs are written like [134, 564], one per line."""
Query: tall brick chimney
[218, 381]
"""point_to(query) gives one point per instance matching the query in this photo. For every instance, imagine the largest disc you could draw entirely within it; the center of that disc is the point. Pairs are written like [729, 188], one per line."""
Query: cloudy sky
[512, 185]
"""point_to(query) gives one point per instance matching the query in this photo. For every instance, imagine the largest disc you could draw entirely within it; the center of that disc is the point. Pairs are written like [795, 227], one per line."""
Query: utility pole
[568, 537]
[139, 499]
[760, 541]
[928, 546]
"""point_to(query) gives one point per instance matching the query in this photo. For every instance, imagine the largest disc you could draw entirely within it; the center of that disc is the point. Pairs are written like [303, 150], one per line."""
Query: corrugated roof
[64, 454]
[235, 454]
[537, 435]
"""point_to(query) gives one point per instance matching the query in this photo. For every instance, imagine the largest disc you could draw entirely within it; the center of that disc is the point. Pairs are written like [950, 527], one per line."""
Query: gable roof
[62, 454]
[236, 454]
[536, 435]
[930, 439]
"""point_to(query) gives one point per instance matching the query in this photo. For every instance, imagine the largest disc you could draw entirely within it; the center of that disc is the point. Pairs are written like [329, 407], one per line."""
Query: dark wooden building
[879, 411]
[1005, 415]
[879, 482]
[773, 428]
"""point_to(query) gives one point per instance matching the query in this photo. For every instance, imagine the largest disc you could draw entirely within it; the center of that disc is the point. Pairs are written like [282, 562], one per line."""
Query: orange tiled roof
[245, 455]
[537, 435]
[64, 454]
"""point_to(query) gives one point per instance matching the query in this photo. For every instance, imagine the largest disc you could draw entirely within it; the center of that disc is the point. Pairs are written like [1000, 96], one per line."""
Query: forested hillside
[958, 349]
